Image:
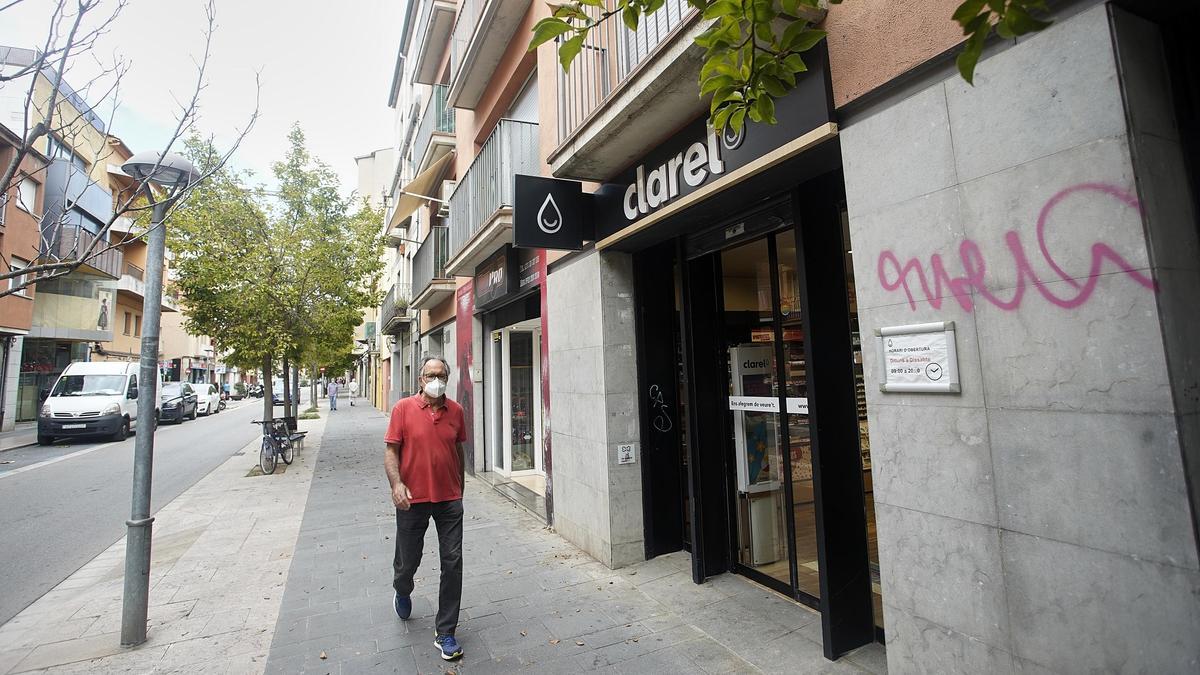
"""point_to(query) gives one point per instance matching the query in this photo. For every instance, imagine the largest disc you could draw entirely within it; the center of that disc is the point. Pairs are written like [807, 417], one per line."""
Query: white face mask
[434, 388]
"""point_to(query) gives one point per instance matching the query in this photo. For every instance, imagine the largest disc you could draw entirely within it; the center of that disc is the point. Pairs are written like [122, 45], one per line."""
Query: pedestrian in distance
[352, 390]
[332, 390]
[425, 466]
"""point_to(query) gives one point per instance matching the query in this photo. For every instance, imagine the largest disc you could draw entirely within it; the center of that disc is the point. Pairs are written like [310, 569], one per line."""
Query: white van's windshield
[89, 385]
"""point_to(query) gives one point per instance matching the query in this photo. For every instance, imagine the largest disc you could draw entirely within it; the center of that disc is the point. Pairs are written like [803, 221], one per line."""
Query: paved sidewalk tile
[531, 601]
[220, 559]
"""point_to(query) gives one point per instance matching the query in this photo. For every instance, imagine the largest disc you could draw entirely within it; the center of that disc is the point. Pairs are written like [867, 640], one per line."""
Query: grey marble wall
[10, 384]
[597, 503]
[1038, 521]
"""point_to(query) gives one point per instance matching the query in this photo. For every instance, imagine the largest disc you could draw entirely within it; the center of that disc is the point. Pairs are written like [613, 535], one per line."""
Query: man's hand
[401, 496]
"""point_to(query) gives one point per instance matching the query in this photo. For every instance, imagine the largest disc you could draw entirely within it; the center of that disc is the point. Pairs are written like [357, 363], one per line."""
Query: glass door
[520, 418]
[764, 345]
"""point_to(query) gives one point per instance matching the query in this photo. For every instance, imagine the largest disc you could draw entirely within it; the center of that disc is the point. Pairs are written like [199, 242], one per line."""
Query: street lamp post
[172, 174]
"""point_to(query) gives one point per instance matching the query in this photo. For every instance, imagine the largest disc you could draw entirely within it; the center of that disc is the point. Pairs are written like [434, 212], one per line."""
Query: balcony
[483, 31]
[132, 285]
[68, 242]
[437, 20]
[435, 135]
[627, 90]
[481, 206]
[395, 312]
[432, 283]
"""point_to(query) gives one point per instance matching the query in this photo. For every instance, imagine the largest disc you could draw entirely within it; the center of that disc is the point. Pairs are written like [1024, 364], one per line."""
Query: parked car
[177, 402]
[90, 398]
[207, 399]
[276, 398]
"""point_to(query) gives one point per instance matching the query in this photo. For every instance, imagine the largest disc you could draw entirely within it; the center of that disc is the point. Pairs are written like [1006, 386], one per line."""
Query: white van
[91, 398]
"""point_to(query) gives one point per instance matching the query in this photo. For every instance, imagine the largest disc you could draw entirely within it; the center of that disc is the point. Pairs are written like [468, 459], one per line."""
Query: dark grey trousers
[410, 539]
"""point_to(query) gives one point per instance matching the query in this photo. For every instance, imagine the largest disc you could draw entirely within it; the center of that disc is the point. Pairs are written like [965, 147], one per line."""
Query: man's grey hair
[433, 357]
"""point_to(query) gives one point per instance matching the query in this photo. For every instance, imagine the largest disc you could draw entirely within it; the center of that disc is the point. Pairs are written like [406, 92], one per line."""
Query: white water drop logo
[549, 218]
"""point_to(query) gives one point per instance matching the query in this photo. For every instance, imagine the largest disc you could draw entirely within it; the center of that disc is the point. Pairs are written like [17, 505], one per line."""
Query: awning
[417, 190]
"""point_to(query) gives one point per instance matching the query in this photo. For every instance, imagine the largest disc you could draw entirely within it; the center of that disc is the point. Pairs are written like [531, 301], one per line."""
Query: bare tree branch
[53, 265]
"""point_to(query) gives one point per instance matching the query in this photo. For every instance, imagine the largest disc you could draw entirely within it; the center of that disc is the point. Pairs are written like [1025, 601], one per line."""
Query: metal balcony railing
[487, 186]
[429, 264]
[135, 271]
[438, 118]
[394, 309]
[464, 27]
[609, 55]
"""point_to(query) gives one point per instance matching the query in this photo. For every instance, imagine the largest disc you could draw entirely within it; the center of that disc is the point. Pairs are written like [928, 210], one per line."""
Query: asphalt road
[57, 515]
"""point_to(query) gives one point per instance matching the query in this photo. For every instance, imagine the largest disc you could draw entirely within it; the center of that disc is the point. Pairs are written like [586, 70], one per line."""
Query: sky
[326, 65]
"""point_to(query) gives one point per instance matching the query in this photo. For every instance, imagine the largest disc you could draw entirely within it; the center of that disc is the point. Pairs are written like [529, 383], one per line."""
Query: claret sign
[690, 166]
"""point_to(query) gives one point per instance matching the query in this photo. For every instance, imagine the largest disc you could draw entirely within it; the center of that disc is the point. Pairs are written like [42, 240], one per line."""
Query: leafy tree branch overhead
[754, 49]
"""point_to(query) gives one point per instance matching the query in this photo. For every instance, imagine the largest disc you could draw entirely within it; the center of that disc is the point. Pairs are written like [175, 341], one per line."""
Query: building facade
[20, 246]
[920, 356]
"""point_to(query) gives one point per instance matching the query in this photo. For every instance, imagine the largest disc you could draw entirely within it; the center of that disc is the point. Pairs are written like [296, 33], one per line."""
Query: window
[137, 325]
[128, 322]
[14, 282]
[27, 194]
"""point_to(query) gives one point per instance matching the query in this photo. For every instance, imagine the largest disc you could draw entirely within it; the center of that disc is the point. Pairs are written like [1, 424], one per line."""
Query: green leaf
[738, 119]
[766, 108]
[764, 32]
[722, 8]
[715, 83]
[798, 37]
[1020, 21]
[969, 57]
[720, 118]
[547, 29]
[790, 7]
[795, 63]
[774, 86]
[568, 50]
[967, 11]
[630, 16]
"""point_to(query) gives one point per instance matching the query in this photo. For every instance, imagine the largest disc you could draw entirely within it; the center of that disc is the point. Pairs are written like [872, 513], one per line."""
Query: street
[63, 504]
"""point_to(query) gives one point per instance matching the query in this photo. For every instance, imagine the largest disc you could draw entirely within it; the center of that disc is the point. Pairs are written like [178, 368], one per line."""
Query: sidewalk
[531, 601]
[220, 560]
[23, 434]
[291, 573]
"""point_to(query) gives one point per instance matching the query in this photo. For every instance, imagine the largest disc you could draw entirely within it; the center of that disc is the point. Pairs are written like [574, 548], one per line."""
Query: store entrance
[769, 435]
[777, 456]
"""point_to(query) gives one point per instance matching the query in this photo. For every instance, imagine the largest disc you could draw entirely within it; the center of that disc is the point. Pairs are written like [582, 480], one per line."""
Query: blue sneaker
[403, 606]
[448, 646]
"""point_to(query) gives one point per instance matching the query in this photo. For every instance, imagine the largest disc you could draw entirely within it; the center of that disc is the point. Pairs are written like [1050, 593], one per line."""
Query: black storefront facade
[753, 439]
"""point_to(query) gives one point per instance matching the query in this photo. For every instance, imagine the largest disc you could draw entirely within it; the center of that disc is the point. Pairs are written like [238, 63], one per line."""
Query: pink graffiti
[893, 275]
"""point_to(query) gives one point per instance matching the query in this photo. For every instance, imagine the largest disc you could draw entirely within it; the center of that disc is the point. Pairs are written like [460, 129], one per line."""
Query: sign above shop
[919, 358]
[494, 278]
[549, 213]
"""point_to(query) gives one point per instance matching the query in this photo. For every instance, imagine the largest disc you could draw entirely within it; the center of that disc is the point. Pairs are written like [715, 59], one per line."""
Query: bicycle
[277, 441]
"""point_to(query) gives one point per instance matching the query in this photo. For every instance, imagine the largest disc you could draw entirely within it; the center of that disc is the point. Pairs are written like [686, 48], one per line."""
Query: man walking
[352, 390]
[332, 391]
[425, 466]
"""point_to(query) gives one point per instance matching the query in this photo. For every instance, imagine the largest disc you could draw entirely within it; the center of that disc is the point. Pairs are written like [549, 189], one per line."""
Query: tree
[53, 110]
[280, 274]
[754, 49]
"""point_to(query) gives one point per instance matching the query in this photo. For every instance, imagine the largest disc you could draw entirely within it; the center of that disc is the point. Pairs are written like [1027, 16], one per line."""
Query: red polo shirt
[429, 463]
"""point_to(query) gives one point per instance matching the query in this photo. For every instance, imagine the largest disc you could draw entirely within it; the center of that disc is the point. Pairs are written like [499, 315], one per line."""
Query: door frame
[845, 602]
[505, 396]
